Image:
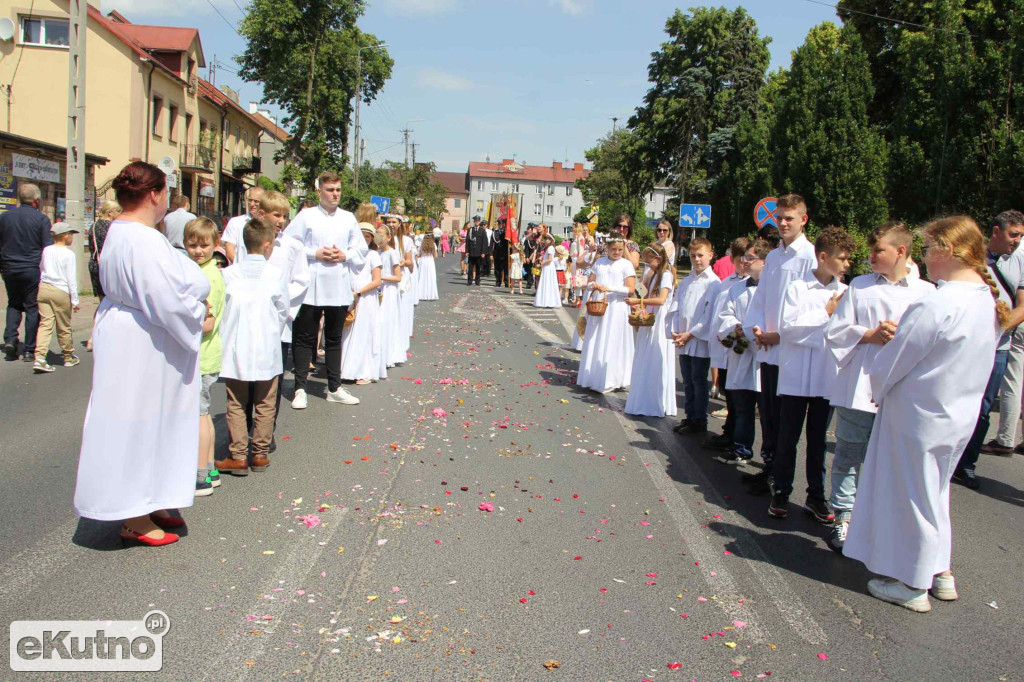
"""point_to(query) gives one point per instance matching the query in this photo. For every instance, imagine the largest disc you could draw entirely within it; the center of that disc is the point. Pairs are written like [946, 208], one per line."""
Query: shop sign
[35, 169]
[8, 189]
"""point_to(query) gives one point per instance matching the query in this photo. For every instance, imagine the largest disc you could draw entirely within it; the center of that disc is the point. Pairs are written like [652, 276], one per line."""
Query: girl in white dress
[547, 287]
[417, 240]
[393, 342]
[362, 348]
[407, 300]
[427, 269]
[587, 261]
[653, 389]
[515, 270]
[141, 435]
[607, 360]
[928, 383]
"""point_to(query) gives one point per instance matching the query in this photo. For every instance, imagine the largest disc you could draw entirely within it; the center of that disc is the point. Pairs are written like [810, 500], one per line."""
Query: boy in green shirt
[201, 237]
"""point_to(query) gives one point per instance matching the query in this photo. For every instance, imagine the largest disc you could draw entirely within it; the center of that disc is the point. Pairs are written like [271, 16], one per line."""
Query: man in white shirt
[793, 259]
[234, 247]
[335, 249]
[176, 220]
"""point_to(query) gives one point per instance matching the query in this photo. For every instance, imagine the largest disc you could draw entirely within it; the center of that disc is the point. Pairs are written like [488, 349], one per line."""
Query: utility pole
[406, 134]
[359, 92]
[362, 155]
[74, 175]
[414, 145]
[212, 72]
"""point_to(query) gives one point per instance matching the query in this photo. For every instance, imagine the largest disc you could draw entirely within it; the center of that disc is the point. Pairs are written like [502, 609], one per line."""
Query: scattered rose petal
[823, 657]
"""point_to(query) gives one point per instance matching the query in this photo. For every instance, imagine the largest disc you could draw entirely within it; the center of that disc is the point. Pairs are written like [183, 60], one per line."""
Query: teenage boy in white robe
[794, 259]
[743, 376]
[866, 319]
[807, 373]
[689, 325]
[719, 353]
[255, 312]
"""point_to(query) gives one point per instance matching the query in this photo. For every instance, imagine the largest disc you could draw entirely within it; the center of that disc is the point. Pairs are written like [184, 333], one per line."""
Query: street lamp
[359, 91]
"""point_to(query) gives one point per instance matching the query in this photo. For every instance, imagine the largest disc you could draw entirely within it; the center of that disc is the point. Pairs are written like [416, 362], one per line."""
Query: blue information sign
[695, 215]
[383, 204]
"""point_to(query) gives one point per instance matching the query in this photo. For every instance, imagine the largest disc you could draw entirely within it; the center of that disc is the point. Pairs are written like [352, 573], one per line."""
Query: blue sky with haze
[538, 79]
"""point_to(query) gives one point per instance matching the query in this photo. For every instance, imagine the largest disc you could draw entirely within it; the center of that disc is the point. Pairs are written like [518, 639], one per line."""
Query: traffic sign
[764, 213]
[383, 204]
[695, 215]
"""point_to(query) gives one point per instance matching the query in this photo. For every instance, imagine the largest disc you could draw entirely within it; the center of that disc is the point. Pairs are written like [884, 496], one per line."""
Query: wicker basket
[640, 317]
[351, 317]
[596, 308]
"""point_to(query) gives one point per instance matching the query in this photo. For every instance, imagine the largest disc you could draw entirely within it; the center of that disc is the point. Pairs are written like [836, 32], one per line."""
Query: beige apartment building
[144, 100]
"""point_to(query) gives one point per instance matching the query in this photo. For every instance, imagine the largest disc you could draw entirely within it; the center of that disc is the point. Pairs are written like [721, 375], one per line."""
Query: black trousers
[528, 277]
[473, 271]
[768, 406]
[500, 271]
[304, 335]
[22, 298]
[485, 264]
[730, 419]
[791, 422]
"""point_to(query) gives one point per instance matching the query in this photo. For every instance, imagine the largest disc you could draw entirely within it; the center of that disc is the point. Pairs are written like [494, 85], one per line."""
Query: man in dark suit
[500, 251]
[24, 233]
[529, 246]
[476, 251]
[485, 262]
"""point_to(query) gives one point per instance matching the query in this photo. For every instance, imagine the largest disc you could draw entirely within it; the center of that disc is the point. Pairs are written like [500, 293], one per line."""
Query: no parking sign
[764, 213]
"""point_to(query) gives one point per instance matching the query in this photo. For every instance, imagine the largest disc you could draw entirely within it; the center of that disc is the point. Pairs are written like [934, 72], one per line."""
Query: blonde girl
[928, 382]
[362, 350]
[547, 288]
[427, 269]
[515, 269]
[606, 363]
[393, 344]
[653, 390]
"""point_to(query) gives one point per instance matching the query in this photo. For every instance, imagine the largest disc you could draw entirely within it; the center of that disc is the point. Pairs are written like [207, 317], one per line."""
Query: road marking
[525, 319]
[793, 611]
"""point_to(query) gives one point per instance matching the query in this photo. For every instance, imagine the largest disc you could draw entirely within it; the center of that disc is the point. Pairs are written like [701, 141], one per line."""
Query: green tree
[704, 78]
[304, 52]
[827, 149]
[424, 195]
[612, 184]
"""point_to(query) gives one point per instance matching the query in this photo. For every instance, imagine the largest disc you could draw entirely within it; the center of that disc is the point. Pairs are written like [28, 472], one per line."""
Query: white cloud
[148, 10]
[572, 7]
[439, 80]
[414, 8]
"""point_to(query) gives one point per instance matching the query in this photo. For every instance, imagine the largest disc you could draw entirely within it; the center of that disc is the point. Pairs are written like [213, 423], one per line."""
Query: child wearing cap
[58, 298]
[561, 258]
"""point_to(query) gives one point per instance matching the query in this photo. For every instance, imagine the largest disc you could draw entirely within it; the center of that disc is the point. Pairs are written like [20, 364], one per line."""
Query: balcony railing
[246, 164]
[196, 157]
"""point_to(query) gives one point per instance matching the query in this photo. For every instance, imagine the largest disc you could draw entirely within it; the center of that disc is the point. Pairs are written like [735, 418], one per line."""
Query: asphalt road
[614, 547]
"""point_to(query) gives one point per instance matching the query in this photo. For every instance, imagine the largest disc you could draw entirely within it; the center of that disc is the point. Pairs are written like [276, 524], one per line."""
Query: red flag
[511, 234]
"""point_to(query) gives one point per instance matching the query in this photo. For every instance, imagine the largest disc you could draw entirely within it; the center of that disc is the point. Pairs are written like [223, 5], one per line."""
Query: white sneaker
[342, 396]
[944, 587]
[299, 401]
[895, 592]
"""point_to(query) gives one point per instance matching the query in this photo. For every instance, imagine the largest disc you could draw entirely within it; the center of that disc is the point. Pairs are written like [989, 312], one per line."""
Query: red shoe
[130, 534]
[167, 521]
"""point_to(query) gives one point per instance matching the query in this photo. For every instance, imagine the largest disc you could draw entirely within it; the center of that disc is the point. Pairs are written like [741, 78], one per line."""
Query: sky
[534, 80]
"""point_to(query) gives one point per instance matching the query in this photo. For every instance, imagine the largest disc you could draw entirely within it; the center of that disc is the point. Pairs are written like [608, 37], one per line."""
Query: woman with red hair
[141, 435]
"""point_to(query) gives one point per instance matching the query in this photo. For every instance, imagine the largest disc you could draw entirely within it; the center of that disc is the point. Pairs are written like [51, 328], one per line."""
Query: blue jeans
[695, 387]
[743, 404]
[969, 459]
[853, 430]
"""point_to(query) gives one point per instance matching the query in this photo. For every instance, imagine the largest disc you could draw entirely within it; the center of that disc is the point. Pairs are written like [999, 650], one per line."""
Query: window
[536, 209]
[551, 190]
[494, 187]
[479, 185]
[568, 191]
[158, 110]
[479, 205]
[550, 210]
[514, 187]
[458, 203]
[568, 211]
[652, 199]
[540, 189]
[172, 123]
[650, 214]
[36, 31]
[455, 226]
[188, 127]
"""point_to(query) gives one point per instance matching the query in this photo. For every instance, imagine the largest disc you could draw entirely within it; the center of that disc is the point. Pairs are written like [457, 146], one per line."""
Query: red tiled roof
[117, 29]
[163, 37]
[553, 173]
[276, 131]
[457, 183]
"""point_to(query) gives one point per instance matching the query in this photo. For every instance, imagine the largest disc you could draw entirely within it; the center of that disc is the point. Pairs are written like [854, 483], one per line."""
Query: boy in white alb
[689, 326]
[719, 353]
[864, 321]
[234, 246]
[255, 312]
[794, 259]
[743, 377]
[807, 373]
[58, 298]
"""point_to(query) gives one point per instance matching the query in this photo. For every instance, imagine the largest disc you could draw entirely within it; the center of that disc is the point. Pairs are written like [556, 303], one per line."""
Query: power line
[895, 21]
[240, 9]
[210, 3]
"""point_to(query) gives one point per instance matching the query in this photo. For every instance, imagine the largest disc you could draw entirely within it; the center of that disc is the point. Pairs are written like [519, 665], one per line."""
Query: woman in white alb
[653, 382]
[363, 346]
[606, 363]
[393, 342]
[928, 383]
[585, 267]
[407, 300]
[428, 270]
[141, 432]
[547, 288]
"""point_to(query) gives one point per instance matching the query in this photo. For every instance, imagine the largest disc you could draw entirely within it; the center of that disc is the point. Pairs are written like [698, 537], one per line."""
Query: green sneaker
[214, 478]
